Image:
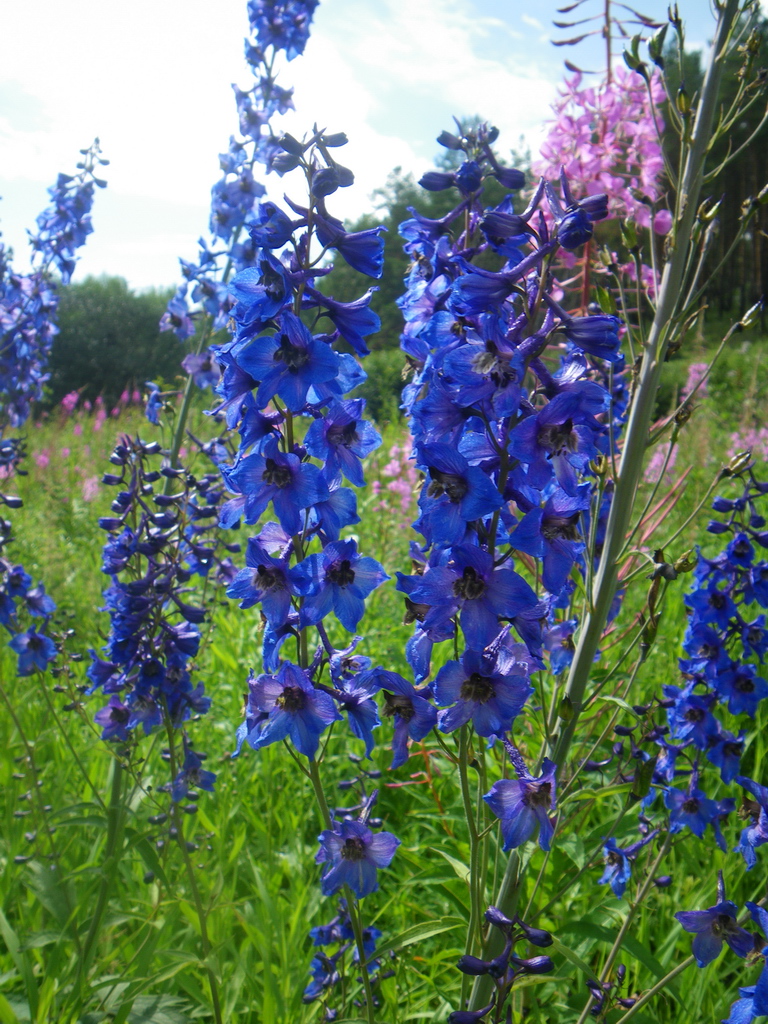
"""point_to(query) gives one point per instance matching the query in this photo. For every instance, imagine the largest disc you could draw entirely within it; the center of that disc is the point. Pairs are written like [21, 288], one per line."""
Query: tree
[109, 340]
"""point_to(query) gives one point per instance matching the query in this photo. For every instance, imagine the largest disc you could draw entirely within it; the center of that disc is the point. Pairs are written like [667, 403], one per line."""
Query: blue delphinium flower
[35, 651]
[756, 834]
[523, 803]
[618, 862]
[191, 774]
[264, 580]
[353, 854]
[413, 714]
[337, 579]
[295, 709]
[489, 688]
[712, 927]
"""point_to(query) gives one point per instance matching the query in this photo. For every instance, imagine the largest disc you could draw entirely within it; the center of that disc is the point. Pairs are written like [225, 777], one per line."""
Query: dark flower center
[268, 579]
[470, 586]
[353, 849]
[560, 527]
[271, 281]
[119, 715]
[414, 612]
[741, 548]
[538, 794]
[744, 684]
[292, 699]
[34, 643]
[446, 483]
[398, 704]
[342, 574]
[346, 435]
[708, 651]
[275, 475]
[732, 749]
[477, 688]
[691, 805]
[722, 925]
[293, 357]
[694, 715]
[558, 438]
[717, 600]
[754, 635]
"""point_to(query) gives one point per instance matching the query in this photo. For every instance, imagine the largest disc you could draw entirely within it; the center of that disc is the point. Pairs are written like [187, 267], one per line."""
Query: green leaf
[606, 301]
[39, 939]
[572, 958]
[610, 699]
[7, 1015]
[419, 932]
[461, 869]
[573, 847]
[159, 1009]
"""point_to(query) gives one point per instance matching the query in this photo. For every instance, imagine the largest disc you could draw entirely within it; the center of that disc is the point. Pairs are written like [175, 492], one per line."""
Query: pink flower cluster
[696, 374]
[399, 494]
[655, 465]
[754, 439]
[605, 138]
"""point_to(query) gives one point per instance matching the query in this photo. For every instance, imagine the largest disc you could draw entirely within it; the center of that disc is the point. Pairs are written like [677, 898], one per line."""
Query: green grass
[257, 836]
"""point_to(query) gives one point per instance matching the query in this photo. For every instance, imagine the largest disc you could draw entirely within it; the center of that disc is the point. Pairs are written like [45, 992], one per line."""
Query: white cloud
[152, 80]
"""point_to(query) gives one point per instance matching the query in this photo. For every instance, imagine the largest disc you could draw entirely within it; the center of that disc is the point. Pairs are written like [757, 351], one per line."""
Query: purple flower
[414, 715]
[35, 651]
[490, 688]
[353, 854]
[341, 439]
[362, 250]
[337, 578]
[456, 495]
[192, 773]
[711, 928]
[295, 709]
[290, 485]
[523, 803]
[288, 363]
[264, 580]
[469, 584]
[618, 862]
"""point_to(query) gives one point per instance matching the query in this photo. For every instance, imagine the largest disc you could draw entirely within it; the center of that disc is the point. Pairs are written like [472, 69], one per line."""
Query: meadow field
[109, 915]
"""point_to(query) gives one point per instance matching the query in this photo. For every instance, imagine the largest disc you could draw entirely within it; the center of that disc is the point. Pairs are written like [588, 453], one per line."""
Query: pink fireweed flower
[77, 429]
[43, 458]
[90, 488]
[696, 374]
[69, 401]
[754, 439]
[656, 463]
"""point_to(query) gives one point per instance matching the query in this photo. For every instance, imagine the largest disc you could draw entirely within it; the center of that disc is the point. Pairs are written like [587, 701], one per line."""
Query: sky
[152, 79]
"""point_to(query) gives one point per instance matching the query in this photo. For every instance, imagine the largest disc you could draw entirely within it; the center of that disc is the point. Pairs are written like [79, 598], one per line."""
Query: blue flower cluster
[327, 969]
[28, 305]
[276, 26]
[716, 925]
[507, 443]
[721, 685]
[28, 302]
[278, 376]
[157, 543]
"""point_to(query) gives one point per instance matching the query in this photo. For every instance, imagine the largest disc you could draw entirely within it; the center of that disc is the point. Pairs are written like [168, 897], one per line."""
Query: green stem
[473, 931]
[357, 928]
[645, 397]
[627, 923]
[641, 1002]
[205, 941]
[108, 868]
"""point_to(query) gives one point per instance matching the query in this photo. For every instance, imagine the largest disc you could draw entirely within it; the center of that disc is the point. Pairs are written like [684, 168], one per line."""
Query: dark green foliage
[384, 385]
[743, 277]
[110, 340]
